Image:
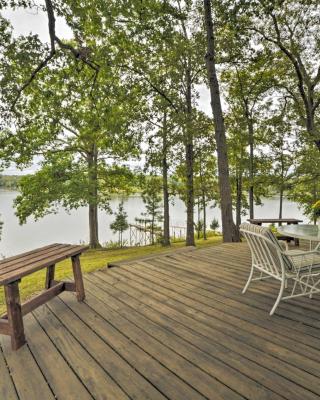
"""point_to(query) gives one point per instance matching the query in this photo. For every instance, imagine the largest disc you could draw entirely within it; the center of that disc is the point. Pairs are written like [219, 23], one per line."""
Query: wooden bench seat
[13, 269]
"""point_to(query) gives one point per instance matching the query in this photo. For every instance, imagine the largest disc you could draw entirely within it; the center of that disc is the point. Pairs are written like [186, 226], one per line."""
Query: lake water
[73, 227]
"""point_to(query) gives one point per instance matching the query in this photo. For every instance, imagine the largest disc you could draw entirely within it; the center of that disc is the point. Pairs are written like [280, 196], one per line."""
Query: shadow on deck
[171, 326]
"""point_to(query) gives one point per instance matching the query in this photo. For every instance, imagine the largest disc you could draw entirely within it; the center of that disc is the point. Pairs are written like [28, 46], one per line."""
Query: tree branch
[80, 54]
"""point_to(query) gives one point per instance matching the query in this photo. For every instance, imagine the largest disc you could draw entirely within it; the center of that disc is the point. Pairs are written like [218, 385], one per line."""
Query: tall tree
[305, 183]
[161, 137]
[290, 30]
[120, 224]
[229, 230]
[248, 85]
[152, 200]
[280, 134]
[76, 123]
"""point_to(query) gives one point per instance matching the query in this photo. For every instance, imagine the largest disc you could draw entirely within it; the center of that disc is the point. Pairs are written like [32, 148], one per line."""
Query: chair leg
[248, 281]
[279, 297]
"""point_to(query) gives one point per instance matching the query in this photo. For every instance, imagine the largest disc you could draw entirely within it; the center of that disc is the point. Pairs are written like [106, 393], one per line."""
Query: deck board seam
[203, 351]
[266, 283]
[119, 354]
[44, 377]
[233, 326]
[307, 372]
[228, 282]
[9, 371]
[79, 342]
[284, 377]
[242, 299]
[146, 352]
[195, 365]
[198, 304]
[61, 354]
[182, 275]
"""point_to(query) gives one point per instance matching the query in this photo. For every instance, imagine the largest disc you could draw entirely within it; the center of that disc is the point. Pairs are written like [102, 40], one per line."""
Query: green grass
[93, 260]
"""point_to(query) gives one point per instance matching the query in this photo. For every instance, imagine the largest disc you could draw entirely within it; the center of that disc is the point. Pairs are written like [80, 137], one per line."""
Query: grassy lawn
[92, 260]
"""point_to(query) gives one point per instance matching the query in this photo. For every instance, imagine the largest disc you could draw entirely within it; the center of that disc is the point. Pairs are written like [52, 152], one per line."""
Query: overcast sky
[32, 21]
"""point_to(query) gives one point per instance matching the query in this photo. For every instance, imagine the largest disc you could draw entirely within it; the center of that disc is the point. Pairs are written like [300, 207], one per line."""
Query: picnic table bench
[13, 269]
[279, 221]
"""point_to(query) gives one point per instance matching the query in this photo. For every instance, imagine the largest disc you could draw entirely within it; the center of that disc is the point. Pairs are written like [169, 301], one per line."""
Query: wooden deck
[172, 326]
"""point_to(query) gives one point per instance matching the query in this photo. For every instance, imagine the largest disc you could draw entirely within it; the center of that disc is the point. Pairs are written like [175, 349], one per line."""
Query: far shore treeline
[211, 101]
[9, 181]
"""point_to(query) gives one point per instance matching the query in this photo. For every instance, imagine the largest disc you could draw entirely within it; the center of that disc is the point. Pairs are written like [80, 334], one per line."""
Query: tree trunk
[93, 198]
[230, 232]
[204, 204]
[281, 203]
[199, 219]
[203, 198]
[315, 198]
[239, 198]
[189, 163]
[152, 223]
[281, 187]
[166, 216]
[251, 167]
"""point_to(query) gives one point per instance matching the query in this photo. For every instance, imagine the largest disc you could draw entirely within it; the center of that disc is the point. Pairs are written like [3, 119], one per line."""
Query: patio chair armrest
[302, 253]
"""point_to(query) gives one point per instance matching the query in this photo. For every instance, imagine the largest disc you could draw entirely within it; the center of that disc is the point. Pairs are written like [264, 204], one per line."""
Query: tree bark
[315, 198]
[204, 204]
[199, 219]
[203, 199]
[230, 231]
[166, 216]
[251, 167]
[239, 197]
[281, 189]
[189, 163]
[93, 198]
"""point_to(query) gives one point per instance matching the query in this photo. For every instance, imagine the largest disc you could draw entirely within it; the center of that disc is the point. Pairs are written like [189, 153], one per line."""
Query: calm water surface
[73, 227]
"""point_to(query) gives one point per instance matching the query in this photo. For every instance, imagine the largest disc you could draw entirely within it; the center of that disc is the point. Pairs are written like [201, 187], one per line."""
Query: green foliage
[316, 208]
[151, 196]
[305, 184]
[198, 227]
[10, 181]
[88, 126]
[120, 223]
[214, 224]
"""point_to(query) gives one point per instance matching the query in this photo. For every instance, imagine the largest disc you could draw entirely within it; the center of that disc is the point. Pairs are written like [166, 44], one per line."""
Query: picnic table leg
[78, 278]
[14, 314]
[296, 241]
[49, 276]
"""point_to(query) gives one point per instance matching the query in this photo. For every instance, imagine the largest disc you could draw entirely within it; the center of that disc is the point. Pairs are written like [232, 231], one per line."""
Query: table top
[273, 220]
[308, 232]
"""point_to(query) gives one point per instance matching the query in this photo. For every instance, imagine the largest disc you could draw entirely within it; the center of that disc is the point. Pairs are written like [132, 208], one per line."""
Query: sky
[35, 22]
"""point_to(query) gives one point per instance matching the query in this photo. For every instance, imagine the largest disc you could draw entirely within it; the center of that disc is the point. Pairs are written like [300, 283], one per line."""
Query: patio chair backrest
[265, 249]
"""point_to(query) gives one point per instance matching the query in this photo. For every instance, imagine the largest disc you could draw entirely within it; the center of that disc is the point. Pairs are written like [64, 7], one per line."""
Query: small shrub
[214, 224]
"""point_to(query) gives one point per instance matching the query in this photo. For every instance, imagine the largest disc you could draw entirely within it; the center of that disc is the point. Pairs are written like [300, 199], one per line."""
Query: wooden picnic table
[279, 221]
[13, 269]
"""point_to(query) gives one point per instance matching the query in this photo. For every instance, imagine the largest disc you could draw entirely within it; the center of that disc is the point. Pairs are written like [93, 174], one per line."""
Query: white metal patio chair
[298, 271]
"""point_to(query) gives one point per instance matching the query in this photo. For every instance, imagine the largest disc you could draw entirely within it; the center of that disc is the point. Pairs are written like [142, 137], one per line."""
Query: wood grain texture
[14, 315]
[171, 326]
[22, 266]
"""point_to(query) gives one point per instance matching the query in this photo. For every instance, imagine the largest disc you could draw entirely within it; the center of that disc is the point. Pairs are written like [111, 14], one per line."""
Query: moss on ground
[93, 260]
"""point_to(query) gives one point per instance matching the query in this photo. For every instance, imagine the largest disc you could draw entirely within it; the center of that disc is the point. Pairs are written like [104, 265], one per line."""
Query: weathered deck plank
[170, 326]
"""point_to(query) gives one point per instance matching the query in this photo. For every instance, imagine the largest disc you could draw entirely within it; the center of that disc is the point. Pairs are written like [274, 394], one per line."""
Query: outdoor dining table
[306, 232]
